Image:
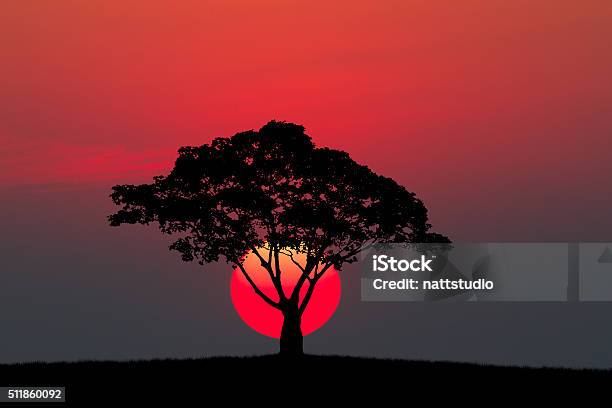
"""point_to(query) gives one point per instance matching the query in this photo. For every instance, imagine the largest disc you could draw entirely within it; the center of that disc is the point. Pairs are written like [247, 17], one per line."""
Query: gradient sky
[498, 114]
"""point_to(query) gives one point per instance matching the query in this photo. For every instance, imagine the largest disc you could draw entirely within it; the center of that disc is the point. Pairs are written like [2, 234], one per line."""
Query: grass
[266, 378]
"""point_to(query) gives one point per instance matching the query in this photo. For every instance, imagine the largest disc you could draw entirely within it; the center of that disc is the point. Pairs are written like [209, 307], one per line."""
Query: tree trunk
[291, 340]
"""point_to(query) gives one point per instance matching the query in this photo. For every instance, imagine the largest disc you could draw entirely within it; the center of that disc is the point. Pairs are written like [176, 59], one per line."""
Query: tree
[274, 189]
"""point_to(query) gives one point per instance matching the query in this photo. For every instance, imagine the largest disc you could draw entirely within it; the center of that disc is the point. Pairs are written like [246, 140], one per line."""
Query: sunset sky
[497, 113]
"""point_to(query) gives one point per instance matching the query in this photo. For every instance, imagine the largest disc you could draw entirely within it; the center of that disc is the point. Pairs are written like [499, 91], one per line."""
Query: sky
[497, 114]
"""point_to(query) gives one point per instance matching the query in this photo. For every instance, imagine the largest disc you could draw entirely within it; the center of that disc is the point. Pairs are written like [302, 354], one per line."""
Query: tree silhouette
[274, 189]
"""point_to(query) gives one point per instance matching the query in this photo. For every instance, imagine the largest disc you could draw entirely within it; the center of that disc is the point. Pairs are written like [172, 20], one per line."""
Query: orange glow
[266, 320]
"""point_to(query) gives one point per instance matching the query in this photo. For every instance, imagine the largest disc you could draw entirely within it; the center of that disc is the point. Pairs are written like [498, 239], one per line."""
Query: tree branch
[275, 279]
[311, 286]
[256, 252]
[354, 252]
[256, 289]
[290, 255]
[309, 292]
[269, 254]
[277, 263]
[325, 268]
[306, 273]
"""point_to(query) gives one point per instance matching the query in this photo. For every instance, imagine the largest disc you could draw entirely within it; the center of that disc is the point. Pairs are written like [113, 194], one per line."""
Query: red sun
[265, 319]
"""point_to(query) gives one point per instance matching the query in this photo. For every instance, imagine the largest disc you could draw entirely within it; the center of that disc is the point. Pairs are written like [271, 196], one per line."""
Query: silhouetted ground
[274, 381]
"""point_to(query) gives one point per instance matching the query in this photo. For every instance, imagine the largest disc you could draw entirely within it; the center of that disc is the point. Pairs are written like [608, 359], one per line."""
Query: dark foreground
[274, 381]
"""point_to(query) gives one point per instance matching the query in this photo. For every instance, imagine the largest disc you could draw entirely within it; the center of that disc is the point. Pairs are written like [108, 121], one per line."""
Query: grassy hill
[266, 378]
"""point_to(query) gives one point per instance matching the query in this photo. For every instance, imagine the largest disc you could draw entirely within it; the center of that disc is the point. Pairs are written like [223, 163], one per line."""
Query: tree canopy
[273, 187]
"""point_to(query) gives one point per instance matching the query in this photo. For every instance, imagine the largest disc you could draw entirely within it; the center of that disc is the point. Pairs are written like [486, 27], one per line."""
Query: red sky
[497, 113]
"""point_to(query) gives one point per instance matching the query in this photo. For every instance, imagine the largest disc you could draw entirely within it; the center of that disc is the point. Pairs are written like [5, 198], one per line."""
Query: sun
[266, 320]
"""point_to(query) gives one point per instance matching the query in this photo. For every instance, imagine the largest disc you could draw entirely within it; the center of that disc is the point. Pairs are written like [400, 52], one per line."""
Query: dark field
[275, 381]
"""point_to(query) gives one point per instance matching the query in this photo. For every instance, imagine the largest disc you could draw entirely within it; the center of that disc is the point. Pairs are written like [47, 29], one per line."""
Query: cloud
[61, 164]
